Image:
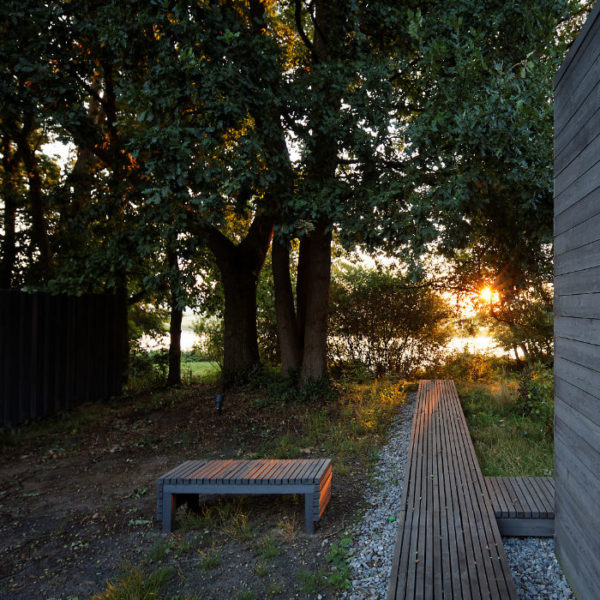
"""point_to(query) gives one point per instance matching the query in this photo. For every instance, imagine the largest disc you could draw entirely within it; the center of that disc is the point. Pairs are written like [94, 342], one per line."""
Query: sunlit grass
[132, 583]
[348, 428]
[506, 443]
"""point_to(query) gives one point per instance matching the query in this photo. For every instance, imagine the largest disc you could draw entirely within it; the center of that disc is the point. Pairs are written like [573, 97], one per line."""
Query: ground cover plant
[77, 500]
[510, 418]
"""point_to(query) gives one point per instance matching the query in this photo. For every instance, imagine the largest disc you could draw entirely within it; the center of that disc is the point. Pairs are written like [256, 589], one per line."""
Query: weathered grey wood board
[448, 543]
[308, 476]
[524, 506]
[577, 311]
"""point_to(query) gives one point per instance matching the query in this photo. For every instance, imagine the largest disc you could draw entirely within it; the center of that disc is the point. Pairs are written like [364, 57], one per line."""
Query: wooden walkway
[448, 543]
[311, 477]
[524, 506]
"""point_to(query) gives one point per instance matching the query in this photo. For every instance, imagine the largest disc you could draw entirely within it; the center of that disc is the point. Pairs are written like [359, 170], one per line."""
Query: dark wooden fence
[577, 311]
[57, 352]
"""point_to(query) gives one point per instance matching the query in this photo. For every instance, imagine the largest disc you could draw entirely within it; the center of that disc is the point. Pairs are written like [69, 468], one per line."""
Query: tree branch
[302, 33]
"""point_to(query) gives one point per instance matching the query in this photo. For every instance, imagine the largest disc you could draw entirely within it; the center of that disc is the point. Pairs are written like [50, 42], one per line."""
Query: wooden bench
[524, 506]
[311, 477]
[448, 543]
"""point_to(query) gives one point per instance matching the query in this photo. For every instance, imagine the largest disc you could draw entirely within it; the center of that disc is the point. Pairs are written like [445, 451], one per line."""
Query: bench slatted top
[264, 471]
[448, 543]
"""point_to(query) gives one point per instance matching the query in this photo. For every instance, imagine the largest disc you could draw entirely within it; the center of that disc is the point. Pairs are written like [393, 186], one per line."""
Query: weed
[246, 595]
[338, 557]
[288, 527]
[159, 551]
[210, 559]
[268, 549]
[238, 528]
[275, 589]
[191, 521]
[261, 570]
[506, 441]
[311, 581]
[133, 584]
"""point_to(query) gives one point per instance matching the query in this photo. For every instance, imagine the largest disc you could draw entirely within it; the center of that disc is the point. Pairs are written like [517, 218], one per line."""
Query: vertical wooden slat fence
[56, 352]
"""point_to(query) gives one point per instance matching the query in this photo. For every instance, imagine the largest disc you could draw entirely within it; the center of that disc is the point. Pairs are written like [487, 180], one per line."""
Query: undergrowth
[509, 441]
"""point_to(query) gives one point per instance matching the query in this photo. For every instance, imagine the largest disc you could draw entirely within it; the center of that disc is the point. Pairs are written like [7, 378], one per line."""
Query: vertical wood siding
[56, 352]
[577, 310]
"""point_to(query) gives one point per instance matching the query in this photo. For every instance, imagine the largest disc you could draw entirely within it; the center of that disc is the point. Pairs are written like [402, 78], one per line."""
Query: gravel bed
[534, 567]
[535, 570]
[374, 536]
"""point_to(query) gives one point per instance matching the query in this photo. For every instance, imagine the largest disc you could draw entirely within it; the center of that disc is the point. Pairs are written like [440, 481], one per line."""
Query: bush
[211, 332]
[536, 395]
[466, 366]
[147, 369]
[382, 320]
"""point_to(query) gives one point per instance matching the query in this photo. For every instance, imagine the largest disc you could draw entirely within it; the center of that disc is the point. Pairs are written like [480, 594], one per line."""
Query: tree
[479, 175]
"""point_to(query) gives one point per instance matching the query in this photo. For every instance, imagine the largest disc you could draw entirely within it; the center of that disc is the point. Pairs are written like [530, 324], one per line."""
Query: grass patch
[507, 442]
[210, 559]
[199, 371]
[134, 584]
[348, 427]
[311, 582]
[268, 549]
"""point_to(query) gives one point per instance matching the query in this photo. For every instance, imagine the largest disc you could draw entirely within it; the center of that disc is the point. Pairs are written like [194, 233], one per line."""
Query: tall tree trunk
[10, 197]
[123, 327]
[174, 376]
[240, 352]
[287, 323]
[240, 266]
[38, 218]
[316, 293]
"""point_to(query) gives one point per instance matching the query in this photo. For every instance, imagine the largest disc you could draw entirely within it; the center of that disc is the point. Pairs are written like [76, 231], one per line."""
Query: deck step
[524, 506]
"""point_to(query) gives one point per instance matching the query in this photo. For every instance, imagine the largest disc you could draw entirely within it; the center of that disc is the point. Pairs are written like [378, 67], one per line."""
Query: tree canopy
[206, 133]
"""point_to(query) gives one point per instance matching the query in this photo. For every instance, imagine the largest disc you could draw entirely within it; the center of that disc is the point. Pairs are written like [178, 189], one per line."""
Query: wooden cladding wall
[56, 352]
[577, 310]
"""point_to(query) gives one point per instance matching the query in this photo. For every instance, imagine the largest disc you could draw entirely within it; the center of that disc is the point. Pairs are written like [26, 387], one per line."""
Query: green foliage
[525, 322]
[266, 318]
[147, 369]
[507, 442]
[210, 559]
[311, 582]
[536, 396]
[469, 366]
[211, 333]
[384, 321]
[338, 559]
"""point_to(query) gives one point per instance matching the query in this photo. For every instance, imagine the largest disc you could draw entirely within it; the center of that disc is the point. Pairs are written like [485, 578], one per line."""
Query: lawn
[199, 370]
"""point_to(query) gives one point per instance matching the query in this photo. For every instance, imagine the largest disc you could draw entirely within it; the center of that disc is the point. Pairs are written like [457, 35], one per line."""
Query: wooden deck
[524, 506]
[448, 543]
[311, 477]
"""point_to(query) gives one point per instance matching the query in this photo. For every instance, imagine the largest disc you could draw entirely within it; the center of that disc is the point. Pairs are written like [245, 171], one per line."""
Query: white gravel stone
[534, 567]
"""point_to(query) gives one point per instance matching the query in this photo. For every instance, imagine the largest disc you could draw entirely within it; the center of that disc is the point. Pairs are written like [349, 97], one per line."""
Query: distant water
[477, 344]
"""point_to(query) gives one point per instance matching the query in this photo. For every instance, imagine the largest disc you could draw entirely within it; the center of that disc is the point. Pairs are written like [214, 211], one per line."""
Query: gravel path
[535, 570]
[374, 537]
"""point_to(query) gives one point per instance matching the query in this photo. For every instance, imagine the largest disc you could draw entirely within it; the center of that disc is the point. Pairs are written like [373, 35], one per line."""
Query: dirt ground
[77, 504]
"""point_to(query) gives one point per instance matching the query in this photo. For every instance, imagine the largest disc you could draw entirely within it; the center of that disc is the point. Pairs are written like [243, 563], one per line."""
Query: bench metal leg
[309, 515]
[169, 508]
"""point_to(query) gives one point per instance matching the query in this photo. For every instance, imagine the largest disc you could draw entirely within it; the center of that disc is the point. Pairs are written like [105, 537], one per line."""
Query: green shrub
[536, 395]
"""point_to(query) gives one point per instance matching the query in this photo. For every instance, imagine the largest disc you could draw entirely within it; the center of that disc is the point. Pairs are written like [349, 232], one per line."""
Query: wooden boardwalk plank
[448, 543]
